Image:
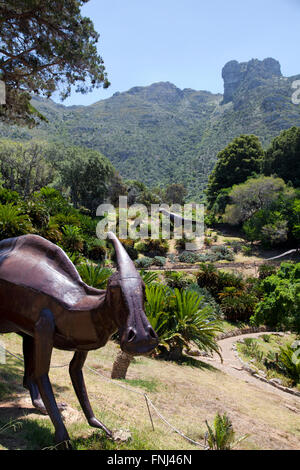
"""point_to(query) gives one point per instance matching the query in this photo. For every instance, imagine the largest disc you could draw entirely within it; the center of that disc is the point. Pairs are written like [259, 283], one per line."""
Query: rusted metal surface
[43, 298]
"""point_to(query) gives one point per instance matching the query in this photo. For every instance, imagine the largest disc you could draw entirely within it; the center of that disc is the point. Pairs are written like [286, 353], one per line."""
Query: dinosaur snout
[138, 341]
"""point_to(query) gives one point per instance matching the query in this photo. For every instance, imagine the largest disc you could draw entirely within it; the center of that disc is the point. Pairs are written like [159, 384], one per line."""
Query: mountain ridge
[161, 134]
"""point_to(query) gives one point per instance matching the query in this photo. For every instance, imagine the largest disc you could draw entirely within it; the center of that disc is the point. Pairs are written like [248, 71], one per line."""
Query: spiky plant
[94, 275]
[220, 435]
[13, 221]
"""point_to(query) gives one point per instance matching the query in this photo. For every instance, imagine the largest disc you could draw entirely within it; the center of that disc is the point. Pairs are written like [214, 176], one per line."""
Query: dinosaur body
[43, 298]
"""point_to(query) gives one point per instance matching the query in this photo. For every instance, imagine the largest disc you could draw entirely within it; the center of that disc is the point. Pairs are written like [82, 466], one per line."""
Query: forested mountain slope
[160, 134]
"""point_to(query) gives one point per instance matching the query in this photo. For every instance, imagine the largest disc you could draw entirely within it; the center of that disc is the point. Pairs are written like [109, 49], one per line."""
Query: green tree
[25, 167]
[283, 156]
[280, 306]
[44, 45]
[249, 197]
[240, 159]
[175, 194]
[87, 174]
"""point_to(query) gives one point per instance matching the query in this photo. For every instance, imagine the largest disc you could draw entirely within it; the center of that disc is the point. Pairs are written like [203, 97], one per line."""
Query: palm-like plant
[94, 275]
[179, 320]
[289, 362]
[220, 435]
[13, 222]
[193, 324]
[156, 308]
[149, 277]
[72, 238]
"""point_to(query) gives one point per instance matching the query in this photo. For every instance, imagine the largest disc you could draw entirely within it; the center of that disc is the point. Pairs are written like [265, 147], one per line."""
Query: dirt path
[232, 366]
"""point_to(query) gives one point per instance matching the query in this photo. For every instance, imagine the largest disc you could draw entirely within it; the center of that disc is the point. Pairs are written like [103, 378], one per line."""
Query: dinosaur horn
[125, 264]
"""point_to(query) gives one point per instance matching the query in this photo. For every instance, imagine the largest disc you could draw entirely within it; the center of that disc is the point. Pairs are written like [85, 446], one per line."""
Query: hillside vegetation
[161, 134]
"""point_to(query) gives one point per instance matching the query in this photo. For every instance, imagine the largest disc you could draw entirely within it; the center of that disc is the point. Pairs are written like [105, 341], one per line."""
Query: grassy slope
[186, 396]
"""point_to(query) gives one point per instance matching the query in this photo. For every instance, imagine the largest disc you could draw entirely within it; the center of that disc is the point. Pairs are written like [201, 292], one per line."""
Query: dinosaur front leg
[43, 345]
[76, 375]
[28, 382]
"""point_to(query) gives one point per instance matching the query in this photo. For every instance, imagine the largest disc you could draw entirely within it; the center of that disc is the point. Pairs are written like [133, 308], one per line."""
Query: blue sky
[187, 42]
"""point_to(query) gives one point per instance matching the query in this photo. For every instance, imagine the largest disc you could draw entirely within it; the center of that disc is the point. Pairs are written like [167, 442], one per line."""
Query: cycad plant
[94, 275]
[191, 324]
[220, 435]
[72, 238]
[180, 320]
[289, 361]
[149, 277]
[13, 222]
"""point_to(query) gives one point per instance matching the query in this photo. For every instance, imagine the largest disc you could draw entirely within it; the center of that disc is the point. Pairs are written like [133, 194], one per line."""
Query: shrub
[188, 257]
[155, 247]
[207, 241]
[221, 435]
[37, 212]
[13, 221]
[223, 252]
[159, 260]
[237, 305]
[96, 249]
[289, 361]
[72, 239]
[246, 250]
[207, 298]
[266, 270]
[178, 279]
[144, 262]
[216, 281]
[7, 196]
[140, 246]
[179, 320]
[95, 276]
[280, 305]
[149, 277]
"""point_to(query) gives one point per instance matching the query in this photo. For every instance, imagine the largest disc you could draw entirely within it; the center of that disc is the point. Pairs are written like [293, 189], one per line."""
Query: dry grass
[186, 395]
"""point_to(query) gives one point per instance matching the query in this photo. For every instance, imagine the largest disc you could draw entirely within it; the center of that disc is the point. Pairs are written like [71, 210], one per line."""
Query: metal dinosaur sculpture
[43, 298]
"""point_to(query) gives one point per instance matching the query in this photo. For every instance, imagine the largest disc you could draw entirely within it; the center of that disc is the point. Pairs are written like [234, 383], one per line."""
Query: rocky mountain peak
[252, 73]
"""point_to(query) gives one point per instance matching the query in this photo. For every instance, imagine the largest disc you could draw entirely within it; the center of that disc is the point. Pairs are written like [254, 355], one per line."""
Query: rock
[121, 435]
[70, 415]
[276, 381]
[247, 74]
[262, 373]
[196, 352]
[295, 410]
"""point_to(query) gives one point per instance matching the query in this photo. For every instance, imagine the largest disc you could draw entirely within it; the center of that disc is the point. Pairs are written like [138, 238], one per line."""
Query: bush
[179, 320]
[221, 435]
[143, 262]
[237, 305]
[223, 252]
[96, 249]
[159, 260]
[94, 276]
[207, 298]
[188, 257]
[178, 279]
[7, 196]
[72, 239]
[280, 306]
[216, 281]
[154, 248]
[37, 212]
[266, 270]
[13, 221]
[246, 250]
